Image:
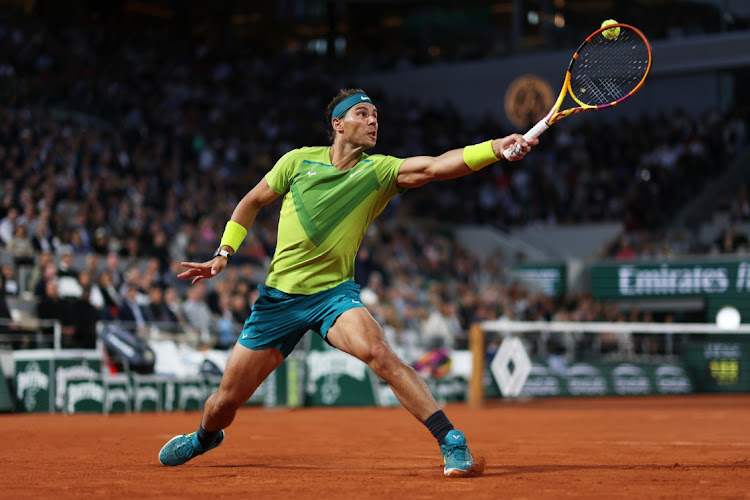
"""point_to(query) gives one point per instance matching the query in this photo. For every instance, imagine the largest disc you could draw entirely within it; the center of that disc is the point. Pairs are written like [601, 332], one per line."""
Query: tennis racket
[602, 73]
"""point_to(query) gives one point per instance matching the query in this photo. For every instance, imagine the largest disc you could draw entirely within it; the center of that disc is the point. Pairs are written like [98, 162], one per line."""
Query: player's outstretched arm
[242, 218]
[419, 170]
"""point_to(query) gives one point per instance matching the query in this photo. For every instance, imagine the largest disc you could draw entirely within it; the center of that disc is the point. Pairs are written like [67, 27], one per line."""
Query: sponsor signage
[84, 396]
[671, 279]
[148, 392]
[719, 365]
[550, 279]
[6, 399]
[34, 385]
[285, 386]
[119, 394]
[584, 379]
[510, 366]
[42, 376]
[335, 378]
[607, 379]
[184, 394]
[73, 366]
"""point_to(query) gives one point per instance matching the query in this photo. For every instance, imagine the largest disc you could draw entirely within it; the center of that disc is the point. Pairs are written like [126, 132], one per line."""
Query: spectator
[134, 280]
[625, 250]
[10, 285]
[41, 238]
[67, 277]
[6, 324]
[731, 240]
[441, 327]
[49, 274]
[240, 307]
[226, 327]
[8, 225]
[53, 308]
[172, 300]
[110, 296]
[21, 247]
[85, 317]
[112, 265]
[198, 315]
[131, 313]
[91, 287]
[157, 312]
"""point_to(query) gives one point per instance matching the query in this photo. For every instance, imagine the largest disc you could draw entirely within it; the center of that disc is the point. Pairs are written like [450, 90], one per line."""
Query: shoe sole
[460, 472]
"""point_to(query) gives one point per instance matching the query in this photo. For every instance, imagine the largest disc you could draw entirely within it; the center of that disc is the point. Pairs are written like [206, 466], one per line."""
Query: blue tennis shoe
[184, 447]
[456, 455]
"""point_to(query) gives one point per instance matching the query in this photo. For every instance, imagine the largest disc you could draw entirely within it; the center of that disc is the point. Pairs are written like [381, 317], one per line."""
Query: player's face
[361, 125]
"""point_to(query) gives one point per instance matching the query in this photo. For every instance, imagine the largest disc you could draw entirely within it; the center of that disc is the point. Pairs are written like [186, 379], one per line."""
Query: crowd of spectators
[128, 151]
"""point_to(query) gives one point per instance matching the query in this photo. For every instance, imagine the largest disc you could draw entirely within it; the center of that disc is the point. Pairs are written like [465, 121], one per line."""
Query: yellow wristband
[233, 236]
[479, 155]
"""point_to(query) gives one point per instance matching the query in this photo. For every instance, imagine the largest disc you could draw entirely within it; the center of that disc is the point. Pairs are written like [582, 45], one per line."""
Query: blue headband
[341, 108]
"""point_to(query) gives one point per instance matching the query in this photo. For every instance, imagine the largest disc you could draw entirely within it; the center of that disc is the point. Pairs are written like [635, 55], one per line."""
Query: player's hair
[343, 94]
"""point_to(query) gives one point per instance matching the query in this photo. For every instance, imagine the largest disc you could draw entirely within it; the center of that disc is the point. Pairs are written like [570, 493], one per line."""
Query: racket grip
[533, 133]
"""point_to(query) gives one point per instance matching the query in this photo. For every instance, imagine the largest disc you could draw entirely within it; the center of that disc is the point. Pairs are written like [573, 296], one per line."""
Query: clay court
[653, 447]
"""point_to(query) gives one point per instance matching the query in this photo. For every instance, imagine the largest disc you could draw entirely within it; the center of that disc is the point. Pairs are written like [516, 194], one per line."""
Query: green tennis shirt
[324, 216]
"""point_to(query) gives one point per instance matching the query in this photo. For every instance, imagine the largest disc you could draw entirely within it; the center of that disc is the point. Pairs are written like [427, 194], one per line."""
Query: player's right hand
[202, 270]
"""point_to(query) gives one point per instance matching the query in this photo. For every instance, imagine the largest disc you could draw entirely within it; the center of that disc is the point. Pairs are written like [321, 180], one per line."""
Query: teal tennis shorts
[280, 319]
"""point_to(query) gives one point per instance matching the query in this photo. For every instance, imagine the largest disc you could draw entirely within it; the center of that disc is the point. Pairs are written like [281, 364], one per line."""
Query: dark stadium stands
[134, 146]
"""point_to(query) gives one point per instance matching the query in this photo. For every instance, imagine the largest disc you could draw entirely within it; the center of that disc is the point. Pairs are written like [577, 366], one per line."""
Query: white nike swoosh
[355, 173]
[364, 98]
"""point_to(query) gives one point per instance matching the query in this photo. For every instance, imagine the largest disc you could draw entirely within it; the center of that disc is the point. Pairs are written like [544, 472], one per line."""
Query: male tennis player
[331, 195]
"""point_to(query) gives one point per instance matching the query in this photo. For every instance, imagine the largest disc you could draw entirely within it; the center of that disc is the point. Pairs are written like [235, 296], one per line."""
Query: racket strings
[608, 70]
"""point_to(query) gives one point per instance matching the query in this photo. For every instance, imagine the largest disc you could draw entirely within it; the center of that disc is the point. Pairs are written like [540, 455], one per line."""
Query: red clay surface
[654, 447]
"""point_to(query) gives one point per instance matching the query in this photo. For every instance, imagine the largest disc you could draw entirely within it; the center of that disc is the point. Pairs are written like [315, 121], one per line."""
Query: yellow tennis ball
[611, 33]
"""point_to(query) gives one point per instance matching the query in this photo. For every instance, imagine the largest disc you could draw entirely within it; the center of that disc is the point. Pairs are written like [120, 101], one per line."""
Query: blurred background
[130, 129]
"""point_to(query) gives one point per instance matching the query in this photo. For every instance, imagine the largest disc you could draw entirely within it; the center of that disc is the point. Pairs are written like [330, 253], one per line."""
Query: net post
[476, 346]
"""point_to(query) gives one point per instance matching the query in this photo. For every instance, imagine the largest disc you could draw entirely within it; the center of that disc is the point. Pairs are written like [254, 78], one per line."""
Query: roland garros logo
[29, 382]
[527, 100]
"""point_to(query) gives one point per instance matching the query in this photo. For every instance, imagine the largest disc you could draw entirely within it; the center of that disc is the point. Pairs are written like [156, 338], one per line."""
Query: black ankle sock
[206, 438]
[439, 426]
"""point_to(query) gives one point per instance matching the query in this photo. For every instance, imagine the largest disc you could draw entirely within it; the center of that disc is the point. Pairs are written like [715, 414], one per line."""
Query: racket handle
[533, 133]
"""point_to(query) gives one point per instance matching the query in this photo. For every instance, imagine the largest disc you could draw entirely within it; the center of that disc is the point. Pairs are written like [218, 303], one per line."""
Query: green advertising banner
[551, 279]
[191, 394]
[285, 386]
[148, 392]
[34, 381]
[672, 279]
[119, 394]
[42, 376]
[74, 364]
[602, 379]
[719, 364]
[85, 396]
[104, 394]
[335, 378]
[6, 398]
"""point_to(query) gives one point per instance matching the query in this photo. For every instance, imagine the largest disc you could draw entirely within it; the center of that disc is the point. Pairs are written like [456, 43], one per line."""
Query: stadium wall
[686, 73]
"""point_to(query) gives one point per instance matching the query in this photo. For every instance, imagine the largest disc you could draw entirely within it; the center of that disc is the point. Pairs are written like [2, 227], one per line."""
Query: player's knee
[383, 359]
[227, 401]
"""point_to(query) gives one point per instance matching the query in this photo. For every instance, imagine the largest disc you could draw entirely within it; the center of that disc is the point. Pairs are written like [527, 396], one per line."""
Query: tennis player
[331, 195]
